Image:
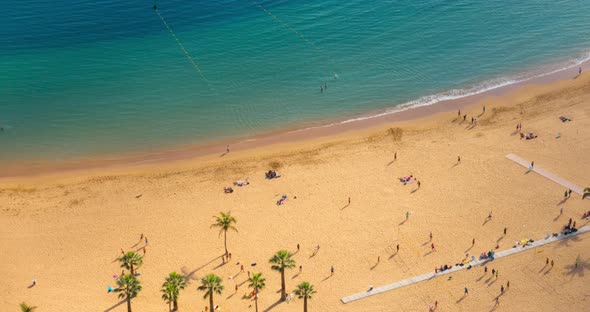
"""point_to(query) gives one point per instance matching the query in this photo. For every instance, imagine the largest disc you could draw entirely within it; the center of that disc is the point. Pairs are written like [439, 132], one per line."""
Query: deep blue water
[106, 77]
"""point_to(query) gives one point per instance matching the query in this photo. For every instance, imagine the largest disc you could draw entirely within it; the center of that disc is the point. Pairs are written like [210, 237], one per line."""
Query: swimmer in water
[322, 89]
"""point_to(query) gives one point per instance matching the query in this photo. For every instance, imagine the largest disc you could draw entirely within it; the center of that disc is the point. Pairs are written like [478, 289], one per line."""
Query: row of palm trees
[128, 286]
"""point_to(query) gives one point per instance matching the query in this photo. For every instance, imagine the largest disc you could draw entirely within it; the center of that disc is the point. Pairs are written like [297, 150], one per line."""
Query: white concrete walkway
[427, 276]
[546, 174]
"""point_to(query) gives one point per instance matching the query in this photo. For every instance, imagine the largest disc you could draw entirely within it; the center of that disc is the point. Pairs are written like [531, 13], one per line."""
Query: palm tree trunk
[128, 304]
[304, 304]
[132, 270]
[225, 242]
[256, 301]
[175, 305]
[169, 306]
[283, 292]
[211, 300]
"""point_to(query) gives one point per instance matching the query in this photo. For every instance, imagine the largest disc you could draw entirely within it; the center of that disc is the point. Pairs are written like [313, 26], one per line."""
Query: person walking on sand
[493, 272]
[418, 182]
[378, 259]
[466, 291]
[490, 215]
[532, 165]
[349, 200]
[459, 113]
[146, 240]
[300, 269]
[507, 285]
[485, 269]
[236, 288]
[458, 159]
[242, 268]
[397, 248]
[395, 156]
[552, 263]
[407, 215]
[432, 247]
[547, 261]
[473, 242]
[298, 247]
[502, 289]
[505, 230]
[331, 270]
[464, 117]
[430, 236]
[484, 108]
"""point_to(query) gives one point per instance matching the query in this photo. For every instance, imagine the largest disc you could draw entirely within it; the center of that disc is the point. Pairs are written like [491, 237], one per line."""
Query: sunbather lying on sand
[564, 119]
[242, 183]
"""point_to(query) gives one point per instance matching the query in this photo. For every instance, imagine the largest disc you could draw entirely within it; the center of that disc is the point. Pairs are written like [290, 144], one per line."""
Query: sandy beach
[66, 229]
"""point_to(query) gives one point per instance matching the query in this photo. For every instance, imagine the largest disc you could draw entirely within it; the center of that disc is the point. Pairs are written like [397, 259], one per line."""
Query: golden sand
[66, 230]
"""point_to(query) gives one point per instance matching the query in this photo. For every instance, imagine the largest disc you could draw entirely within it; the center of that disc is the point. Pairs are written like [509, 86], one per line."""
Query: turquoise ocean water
[107, 77]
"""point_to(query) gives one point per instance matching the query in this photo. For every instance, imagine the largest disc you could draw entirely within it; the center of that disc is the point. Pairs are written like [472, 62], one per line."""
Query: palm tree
[281, 261]
[27, 308]
[224, 222]
[257, 282]
[131, 261]
[128, 287]
[304, 290]
[211, 284]
[171, 289]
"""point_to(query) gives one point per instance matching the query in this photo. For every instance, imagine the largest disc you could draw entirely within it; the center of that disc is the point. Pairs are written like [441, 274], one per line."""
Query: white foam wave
[468, 91]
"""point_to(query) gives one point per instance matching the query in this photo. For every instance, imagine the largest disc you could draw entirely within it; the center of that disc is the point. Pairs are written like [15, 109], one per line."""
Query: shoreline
[327, 128]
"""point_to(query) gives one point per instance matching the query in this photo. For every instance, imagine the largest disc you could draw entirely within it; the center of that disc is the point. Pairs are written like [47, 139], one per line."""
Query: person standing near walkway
[532, 165]
[502, 289]
[466, 291]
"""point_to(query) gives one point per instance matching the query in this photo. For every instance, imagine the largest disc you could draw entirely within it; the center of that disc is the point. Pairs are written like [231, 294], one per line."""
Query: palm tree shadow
[573, 271]
[189, 275]
[223, 154]
[115, 305]
[273, 305]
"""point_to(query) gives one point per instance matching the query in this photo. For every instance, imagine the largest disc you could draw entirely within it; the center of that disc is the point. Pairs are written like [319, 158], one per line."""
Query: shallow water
[107, 77]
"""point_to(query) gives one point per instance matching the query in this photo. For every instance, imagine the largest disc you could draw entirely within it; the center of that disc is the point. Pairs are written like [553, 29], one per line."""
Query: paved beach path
[427, 276]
